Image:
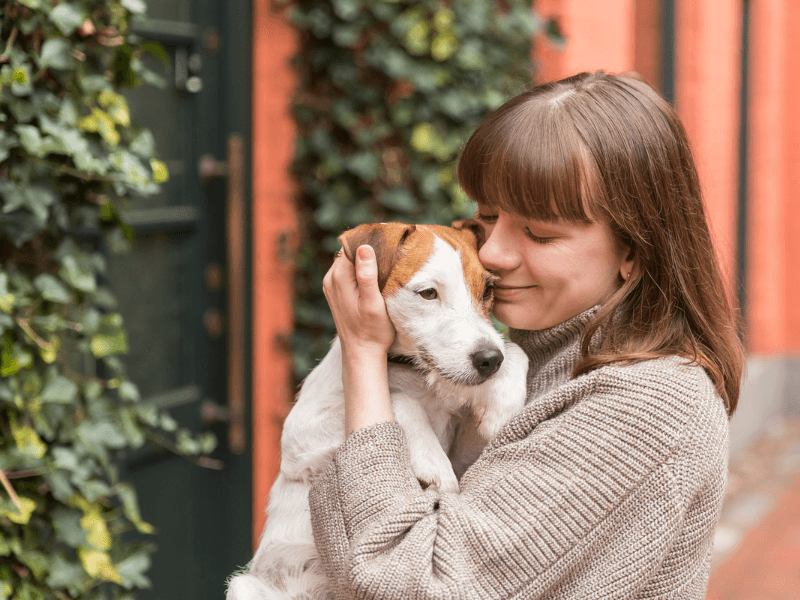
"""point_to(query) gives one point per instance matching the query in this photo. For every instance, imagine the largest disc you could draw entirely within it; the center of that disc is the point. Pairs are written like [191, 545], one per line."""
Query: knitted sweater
[605, 486]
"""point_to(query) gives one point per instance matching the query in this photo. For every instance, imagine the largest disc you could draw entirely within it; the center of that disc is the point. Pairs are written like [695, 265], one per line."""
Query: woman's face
[549, 272]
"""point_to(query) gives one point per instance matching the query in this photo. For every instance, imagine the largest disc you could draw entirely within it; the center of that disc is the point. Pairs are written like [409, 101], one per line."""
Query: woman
[609, 483]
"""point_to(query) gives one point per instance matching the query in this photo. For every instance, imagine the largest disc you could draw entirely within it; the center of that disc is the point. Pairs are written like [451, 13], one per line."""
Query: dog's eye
[488, 293]
[429, 294]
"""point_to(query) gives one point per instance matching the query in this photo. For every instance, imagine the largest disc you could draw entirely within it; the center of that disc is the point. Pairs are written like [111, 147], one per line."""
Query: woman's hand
[365, 333]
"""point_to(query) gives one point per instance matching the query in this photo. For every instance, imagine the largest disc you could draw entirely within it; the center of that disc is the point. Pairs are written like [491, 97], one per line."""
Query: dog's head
[437, 294]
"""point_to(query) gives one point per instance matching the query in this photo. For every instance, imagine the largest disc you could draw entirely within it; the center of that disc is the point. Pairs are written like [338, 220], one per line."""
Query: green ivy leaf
[67, 574]
[20, 515]
[31, 139]
[67, 525]
[21, 85]
[8, 141]
[77, 274]
[14, 357]
[130, 504]
[160, 172]
[100, 122]
[59, 390]
[36, 561]
[6, 297]
[28, 441]
[100, 434]
[133, 568]
[365, 165]
[399, 199]
[109, 344]
[57, 53]
[67, 17]
[52, 289]
[99, 565]
[137, 7]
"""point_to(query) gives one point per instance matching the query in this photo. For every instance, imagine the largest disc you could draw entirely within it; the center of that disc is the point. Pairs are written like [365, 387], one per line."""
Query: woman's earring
[628, 276]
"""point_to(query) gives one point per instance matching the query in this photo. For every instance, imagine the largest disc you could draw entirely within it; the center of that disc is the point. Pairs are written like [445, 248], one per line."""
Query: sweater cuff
[371, 471]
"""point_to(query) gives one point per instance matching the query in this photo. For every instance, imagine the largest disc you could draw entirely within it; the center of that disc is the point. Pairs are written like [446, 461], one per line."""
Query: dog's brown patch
[465, 237]
[387, 239]
[415, 252]
[401, 251]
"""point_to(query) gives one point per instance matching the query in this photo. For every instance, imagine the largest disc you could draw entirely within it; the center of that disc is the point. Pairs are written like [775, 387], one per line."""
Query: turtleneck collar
[552, 352]
[541, 343]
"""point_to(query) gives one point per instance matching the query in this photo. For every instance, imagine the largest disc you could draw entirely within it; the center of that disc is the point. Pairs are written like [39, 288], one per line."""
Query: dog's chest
[439, 407]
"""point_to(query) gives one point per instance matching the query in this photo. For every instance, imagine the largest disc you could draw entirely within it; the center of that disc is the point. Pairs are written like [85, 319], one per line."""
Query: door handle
[233, 170]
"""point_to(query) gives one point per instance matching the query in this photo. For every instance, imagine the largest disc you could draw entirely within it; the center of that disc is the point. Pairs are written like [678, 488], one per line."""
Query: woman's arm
[615, 498]
[366, 333]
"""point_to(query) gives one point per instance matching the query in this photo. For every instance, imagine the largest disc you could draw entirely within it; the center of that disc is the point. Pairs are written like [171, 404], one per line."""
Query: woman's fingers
[356, 303]
[366, 269]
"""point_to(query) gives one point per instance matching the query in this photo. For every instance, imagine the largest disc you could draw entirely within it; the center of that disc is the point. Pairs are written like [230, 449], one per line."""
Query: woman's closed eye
[485, 218]
[537, 239]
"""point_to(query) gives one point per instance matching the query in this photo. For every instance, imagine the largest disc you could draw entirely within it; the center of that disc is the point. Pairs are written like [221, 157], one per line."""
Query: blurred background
[325, 145]
[282, 124]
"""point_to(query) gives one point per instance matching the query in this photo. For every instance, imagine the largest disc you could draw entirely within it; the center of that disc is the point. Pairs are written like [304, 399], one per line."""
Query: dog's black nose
[487, 361]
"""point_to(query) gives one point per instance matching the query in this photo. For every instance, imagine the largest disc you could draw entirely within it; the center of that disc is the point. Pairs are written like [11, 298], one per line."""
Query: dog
[447, 358]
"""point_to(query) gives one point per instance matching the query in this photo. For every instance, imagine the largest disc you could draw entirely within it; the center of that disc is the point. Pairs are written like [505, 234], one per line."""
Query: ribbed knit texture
[605, 486]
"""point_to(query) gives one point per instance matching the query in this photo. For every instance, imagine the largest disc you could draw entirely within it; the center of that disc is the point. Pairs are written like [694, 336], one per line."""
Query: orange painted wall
[707, 88]
[773, 270]
[600, 35]
[273, 218]
[792, 148]
[622, 35]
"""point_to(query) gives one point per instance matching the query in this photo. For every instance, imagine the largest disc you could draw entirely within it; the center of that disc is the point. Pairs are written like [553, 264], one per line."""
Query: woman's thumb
[367, 271]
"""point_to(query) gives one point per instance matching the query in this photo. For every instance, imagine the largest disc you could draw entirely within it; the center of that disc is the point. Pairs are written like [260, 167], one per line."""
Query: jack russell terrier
[447, 358]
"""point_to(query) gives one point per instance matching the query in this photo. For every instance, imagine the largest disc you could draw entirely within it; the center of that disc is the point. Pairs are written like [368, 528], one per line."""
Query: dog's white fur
[441, 335]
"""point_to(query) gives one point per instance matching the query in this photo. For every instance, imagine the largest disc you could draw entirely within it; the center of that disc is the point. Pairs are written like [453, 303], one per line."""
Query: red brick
[766, 565]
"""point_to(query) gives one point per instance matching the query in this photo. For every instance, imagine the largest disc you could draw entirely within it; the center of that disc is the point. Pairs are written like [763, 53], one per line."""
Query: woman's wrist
[365, 379]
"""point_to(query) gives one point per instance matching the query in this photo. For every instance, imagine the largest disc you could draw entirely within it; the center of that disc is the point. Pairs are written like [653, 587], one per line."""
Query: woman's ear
[627, 268]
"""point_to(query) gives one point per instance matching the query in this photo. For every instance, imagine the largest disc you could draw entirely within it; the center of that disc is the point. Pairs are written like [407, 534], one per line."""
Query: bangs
[528, 160]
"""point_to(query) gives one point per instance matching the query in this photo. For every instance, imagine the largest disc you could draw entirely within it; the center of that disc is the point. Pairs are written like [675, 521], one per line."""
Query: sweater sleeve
[591, 507]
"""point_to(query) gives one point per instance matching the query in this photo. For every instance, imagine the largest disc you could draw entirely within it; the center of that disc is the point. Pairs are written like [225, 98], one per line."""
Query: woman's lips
[508, 292]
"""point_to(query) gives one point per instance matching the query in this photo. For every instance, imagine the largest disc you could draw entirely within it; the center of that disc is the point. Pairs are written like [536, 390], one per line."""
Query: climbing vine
[389, 91]
[70, 160]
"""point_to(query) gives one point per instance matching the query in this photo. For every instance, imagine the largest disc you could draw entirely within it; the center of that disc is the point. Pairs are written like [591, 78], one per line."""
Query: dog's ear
[385, 238]
[474, 227]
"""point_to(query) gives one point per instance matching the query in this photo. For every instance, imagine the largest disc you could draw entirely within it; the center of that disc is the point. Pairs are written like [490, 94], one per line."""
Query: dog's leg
[286, 565]
[428, 459]
[503, 395]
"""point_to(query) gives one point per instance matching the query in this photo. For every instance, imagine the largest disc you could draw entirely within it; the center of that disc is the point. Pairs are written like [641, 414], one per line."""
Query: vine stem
[12, 37]
[7, 484]
[26, 327]
[200, 461]
[25, 473]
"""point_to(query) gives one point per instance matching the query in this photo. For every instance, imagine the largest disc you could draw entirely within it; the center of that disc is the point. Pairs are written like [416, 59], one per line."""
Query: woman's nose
[497, 252]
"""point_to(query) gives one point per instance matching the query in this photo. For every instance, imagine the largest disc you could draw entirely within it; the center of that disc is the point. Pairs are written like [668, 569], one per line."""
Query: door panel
[171, 291]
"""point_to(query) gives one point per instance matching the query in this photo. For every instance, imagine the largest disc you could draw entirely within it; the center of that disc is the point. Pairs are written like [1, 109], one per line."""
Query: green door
[173, 294]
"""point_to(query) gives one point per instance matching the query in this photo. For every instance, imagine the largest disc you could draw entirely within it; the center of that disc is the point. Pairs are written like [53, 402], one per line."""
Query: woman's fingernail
[362, 252]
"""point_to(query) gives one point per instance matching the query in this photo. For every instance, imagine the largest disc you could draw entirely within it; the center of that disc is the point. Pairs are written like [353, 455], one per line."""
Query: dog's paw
[434, 470]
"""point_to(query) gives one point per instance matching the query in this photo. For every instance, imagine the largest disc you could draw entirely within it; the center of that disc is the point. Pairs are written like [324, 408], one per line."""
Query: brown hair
[605, 145]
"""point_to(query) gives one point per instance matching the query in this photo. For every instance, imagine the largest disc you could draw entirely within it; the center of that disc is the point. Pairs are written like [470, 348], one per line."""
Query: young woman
[610, 481]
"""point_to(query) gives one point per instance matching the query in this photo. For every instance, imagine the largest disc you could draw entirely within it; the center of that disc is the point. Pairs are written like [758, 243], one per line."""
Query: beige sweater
[605, 486]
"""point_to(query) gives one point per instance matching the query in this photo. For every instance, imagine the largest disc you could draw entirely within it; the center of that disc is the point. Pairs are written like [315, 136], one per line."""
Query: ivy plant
[70, 160]
[389, 90]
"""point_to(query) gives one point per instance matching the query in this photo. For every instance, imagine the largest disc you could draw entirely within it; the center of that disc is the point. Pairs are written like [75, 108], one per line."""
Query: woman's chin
[515, 317]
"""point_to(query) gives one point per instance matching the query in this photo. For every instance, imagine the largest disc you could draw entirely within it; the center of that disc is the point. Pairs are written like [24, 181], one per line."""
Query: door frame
[274, 237]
